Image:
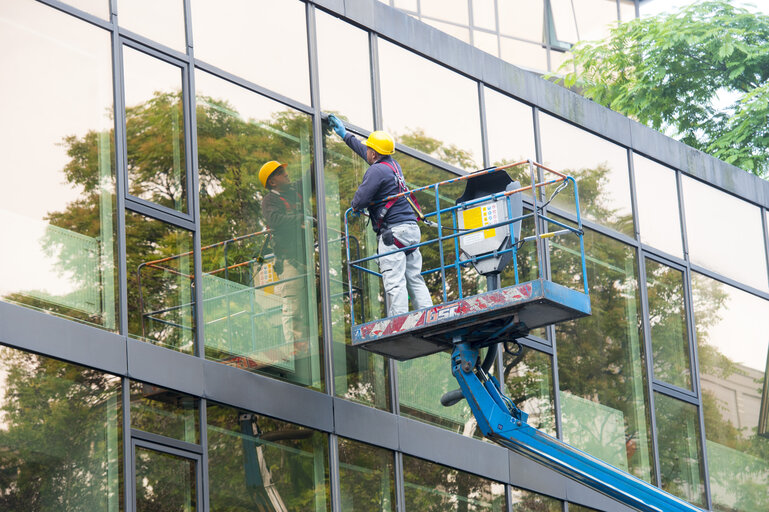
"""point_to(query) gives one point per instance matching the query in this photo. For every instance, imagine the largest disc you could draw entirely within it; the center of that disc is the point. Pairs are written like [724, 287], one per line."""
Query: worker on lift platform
[394, 222]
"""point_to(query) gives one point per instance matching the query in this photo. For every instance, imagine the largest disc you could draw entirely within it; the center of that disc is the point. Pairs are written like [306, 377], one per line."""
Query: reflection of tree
[59, 436]
[295, 460]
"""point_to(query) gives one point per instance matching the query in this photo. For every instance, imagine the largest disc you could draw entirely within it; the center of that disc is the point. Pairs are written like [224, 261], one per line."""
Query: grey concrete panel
[583, 495]
[443, 447]
[165, 368]
[528, 474]
[267, 396]
[63, 339]
[514, 81]
[365, 424]
[360, 11]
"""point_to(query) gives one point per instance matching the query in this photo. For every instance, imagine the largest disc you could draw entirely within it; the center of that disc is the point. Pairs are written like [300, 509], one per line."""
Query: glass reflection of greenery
[258, 463]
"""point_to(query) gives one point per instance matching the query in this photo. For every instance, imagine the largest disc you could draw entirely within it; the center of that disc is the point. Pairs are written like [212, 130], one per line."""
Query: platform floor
[419, 333]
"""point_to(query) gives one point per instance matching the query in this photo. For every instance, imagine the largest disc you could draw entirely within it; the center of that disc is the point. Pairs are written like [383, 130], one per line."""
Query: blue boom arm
[501, 421]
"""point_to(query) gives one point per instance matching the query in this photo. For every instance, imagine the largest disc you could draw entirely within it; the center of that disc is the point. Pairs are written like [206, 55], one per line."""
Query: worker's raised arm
[349, 139]
[372, 181]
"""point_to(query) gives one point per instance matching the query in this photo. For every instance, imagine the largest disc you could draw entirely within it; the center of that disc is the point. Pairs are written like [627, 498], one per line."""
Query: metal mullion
[400, 493]
[159, 49]
[146, 46]
[670, 390]
[550, 329]
[484, 125]
[764, 223]
[251, 86]
[647, 344]
[594, 226]
[148, 210]
[77, 13]
[204, 488]
[691, 325]
[662, 256]
[334, 473]
[128, 460]
[424, 157]
[536, 343]
[320, 202]
[376, 92]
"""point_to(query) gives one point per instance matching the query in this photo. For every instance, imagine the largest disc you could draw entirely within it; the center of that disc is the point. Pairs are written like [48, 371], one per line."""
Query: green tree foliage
[669, 71]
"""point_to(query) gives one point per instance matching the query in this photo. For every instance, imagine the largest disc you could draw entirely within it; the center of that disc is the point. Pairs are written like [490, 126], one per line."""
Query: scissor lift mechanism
[470, 323]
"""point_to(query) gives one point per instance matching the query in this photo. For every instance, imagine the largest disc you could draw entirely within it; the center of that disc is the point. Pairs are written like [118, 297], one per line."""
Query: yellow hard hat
[381, 142]
[267, 169]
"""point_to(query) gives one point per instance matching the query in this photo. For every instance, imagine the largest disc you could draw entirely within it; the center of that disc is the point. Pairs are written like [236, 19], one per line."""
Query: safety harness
[379, 224]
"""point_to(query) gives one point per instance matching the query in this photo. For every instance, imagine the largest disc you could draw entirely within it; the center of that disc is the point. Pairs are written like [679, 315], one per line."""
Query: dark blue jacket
[379, 182]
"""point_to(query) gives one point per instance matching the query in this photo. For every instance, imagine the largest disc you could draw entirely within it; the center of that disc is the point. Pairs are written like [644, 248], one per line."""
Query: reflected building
[144, 364]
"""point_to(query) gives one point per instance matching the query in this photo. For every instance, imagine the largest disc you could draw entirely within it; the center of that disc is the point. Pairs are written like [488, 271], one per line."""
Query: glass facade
[209, 364]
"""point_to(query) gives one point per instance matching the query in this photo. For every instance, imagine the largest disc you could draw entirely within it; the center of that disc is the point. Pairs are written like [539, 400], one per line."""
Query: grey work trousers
[402, 273]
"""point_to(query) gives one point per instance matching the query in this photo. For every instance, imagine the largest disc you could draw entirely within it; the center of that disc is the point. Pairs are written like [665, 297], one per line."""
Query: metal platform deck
[426, 331]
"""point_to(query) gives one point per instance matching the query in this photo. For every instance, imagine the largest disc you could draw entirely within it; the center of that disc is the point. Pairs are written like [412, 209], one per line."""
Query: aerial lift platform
[485, 229]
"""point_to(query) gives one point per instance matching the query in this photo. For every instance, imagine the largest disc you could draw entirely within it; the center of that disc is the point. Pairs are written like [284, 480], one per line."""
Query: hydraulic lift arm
[501, 421]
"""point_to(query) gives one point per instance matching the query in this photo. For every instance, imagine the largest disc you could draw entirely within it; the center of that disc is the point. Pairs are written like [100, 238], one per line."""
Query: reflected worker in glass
[395, 223]
[284, 215]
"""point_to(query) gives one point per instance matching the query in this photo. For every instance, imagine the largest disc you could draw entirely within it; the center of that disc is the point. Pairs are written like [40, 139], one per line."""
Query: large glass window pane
[725, 234]
[430, 487]
[659, 220]
[594, 18]
[484, 14]
[160, 21]
[259, 259]
[527, 55]
[155, 130]
[680, 448]
[161, 296]
[528, 501]
[366, 477]
[258, 463]
[521, 19]
[350, 98]
[57, 202]
[601, 368]
[528, 379]
[460, 32]
[626, 10]
[165, 412]
[509, 130]
[450, 134]
[667, 319]
[239, 36]
[164, 482]
[455, 11]
[600, 168]
[486, 41]
[732, 343]
[60, 436]
[359, 375]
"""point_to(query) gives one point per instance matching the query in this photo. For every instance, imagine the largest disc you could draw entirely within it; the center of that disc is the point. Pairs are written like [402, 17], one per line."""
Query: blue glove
[337, 125]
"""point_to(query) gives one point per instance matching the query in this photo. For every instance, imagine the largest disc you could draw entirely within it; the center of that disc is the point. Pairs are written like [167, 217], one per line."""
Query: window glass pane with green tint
[725, 234]
[732, 344]
[262, 41]
[680, 447]
[659, 219]
[528, 501]
[155, 130]
[344, 89]
[359, 375]
[258, 463]
[604, 405]
[261, 306]
[528, 379]
[60, 436]
[366, 477]
[160, 21]
[57, 202]
[600, 168]
[667, 319]
[164, 412]
[430, 487]
[164, 482]
[510, 131]
[161, 296]
[446, 127]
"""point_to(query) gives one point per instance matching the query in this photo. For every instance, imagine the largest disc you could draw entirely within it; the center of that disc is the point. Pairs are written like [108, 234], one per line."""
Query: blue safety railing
[542, 222]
